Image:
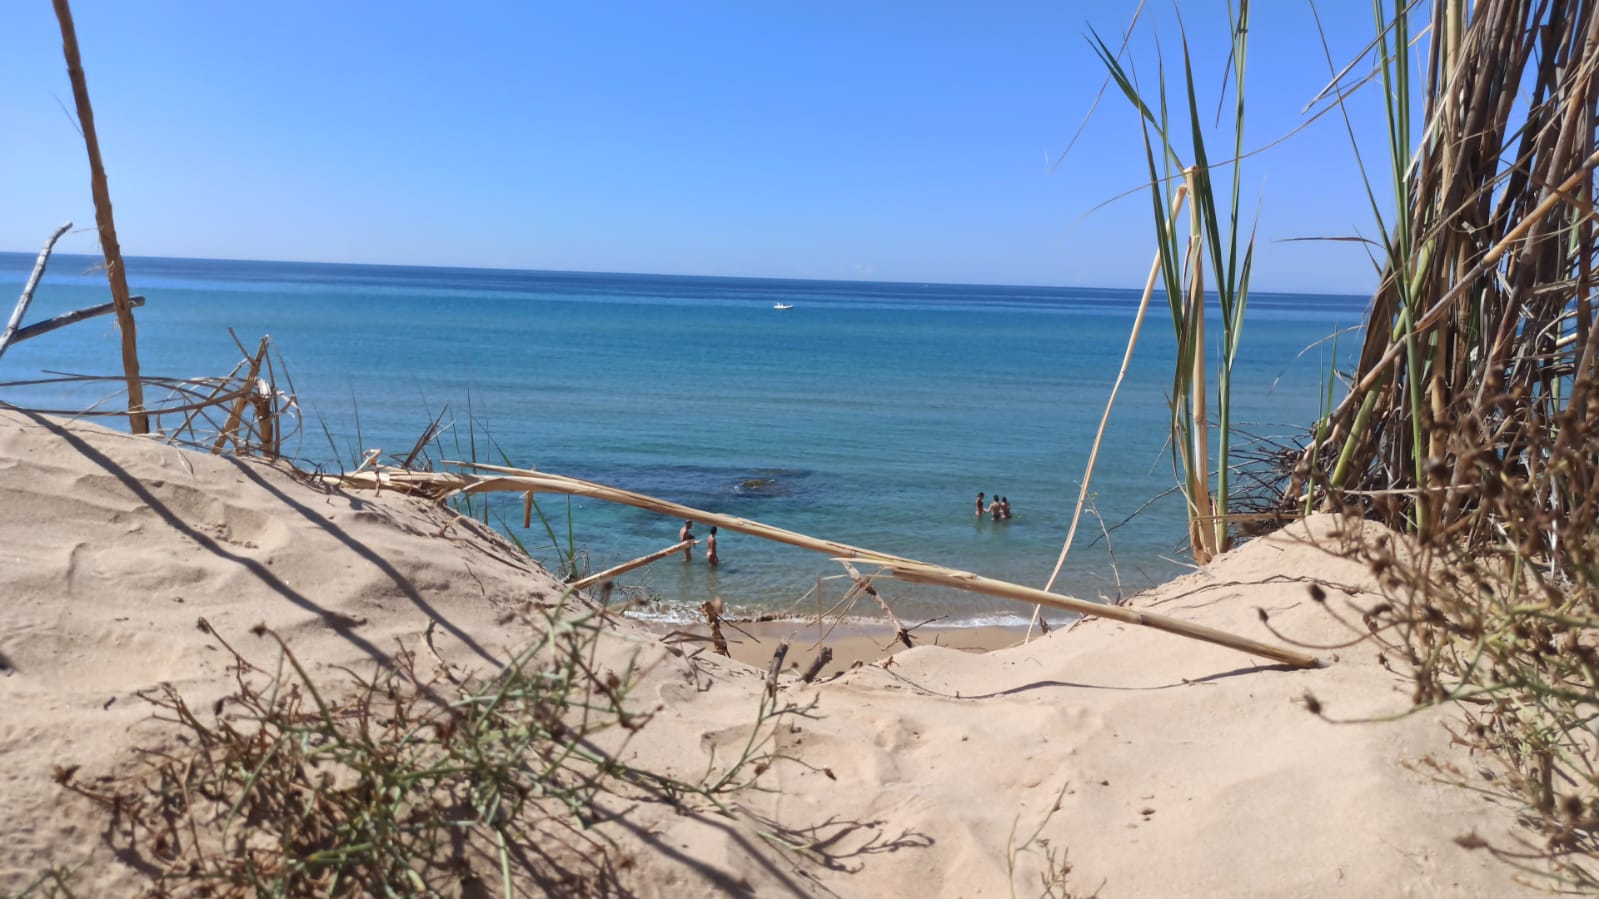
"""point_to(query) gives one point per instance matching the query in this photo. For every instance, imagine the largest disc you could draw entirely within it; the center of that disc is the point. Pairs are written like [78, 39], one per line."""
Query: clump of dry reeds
[1472, 420]
[1484, 311]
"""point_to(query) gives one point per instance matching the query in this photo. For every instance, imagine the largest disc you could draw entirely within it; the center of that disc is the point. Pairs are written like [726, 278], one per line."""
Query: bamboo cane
[639, 562]
[138, 422]
[442, 485]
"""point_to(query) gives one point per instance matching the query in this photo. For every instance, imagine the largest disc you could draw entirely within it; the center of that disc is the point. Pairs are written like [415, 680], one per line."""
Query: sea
[868, 413]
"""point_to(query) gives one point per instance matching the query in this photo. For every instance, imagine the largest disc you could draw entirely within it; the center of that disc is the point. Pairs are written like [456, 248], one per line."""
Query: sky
[834, 139]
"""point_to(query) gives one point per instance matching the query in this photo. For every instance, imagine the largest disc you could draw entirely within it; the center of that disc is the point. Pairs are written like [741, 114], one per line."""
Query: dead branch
[38, 329]
[27, 290]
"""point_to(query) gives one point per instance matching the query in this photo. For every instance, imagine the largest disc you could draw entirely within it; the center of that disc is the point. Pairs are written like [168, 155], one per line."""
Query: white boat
[782, 305]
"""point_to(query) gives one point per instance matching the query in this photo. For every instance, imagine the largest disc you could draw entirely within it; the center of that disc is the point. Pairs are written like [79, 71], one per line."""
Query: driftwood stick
[864, 585]
[639, 562]
[69, 318]
[442, 484]
[138, 422]
[10, 332]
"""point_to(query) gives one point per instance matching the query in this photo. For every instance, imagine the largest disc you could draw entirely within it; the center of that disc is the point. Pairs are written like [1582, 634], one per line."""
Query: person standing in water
[994, 508]
[687, 533]
[979, 504]
[710, 549]
[1004, 507]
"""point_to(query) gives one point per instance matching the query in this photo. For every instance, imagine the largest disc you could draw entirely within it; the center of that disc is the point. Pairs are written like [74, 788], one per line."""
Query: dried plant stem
[713, 619]
[639, 562]
[138, 421]
[230, 431]
[442, 485]
[864, 585]
[27, 290]
[215, 397]
[1201, 530]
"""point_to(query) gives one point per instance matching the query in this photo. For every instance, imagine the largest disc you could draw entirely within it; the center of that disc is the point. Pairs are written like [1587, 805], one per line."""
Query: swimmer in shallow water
[687, 533]
[710, 549]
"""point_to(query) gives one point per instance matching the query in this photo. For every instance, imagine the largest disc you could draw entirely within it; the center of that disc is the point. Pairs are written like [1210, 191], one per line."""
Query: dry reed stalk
[442, 485]
[138, 421]
[1201, 534]
[23, 301]
[864, 585]
[230, 430]
[266, 429]
[215, 397]
[235, 393]
[639, 562]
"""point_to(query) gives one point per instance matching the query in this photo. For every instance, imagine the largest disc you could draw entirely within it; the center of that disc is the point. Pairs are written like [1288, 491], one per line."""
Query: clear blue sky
[894, 140]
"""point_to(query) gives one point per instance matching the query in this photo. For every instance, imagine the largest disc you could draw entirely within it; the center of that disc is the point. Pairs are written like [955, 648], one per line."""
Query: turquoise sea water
[870, 413]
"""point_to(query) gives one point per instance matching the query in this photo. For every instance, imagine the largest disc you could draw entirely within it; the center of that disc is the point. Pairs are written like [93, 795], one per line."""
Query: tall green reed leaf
[1213, 237]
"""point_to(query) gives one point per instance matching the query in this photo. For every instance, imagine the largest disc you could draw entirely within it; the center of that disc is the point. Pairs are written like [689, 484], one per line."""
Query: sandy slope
[1187, 769]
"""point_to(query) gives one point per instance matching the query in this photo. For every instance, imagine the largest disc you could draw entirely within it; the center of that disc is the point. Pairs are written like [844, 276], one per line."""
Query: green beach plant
[1213, 241]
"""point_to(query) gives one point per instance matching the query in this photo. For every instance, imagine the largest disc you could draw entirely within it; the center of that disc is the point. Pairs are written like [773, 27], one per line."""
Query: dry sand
[1183, 769]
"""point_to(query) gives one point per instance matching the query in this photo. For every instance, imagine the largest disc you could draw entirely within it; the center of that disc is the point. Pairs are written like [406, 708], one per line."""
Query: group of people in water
[998, 510]
[686, 533]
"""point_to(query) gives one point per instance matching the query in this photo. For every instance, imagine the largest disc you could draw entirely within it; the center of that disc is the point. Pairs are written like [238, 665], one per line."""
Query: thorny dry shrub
[1497, 611]
[401, 784]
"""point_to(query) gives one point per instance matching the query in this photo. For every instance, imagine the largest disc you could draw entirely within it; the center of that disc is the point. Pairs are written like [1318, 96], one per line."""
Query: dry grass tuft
[407, 783]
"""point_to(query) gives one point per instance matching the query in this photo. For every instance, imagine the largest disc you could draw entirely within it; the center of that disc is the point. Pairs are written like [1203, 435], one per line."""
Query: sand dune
[1182, 769]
